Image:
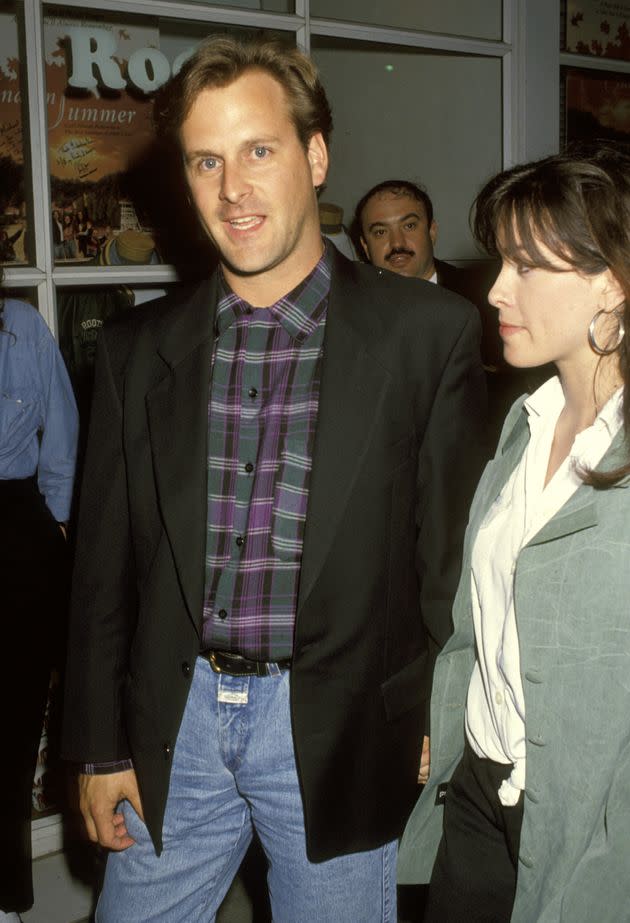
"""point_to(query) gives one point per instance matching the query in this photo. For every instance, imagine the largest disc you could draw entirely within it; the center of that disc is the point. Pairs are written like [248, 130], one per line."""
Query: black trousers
[33, 588]
[474, 876]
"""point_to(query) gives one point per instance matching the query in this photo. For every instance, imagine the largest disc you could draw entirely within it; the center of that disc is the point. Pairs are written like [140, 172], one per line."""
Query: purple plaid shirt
[264, 395]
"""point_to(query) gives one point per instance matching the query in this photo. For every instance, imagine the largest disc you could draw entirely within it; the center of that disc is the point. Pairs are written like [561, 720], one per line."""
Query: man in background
[398, 231]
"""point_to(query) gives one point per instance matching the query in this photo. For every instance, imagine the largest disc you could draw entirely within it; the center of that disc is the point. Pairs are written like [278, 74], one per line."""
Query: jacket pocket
[406, 689]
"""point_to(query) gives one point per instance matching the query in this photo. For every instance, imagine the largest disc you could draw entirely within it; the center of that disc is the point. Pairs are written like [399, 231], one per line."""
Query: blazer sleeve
[451, 456]
[104, 604]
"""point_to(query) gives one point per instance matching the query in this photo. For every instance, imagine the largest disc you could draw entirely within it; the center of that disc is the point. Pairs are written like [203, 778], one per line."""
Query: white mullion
[113, 275]
[22, 276]
[594, 62]
[514, 101]
[39, 220]
[509, 108]
[164, 9]
[432, 41]
[303, 35]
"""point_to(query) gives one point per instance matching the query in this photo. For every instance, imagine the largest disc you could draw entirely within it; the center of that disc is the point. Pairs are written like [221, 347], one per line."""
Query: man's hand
[425, 762]
[98, 797]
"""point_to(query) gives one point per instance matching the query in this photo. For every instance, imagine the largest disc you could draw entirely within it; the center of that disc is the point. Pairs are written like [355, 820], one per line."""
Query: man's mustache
[399, 251]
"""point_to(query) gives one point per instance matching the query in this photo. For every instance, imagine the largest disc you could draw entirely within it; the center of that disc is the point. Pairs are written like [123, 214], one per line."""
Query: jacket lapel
[498, 471]
[577, 514]
[353, 387]
[580, 511]
[177, 409]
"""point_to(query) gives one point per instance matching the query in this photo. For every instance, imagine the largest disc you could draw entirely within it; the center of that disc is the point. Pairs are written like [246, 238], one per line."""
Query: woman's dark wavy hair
[578, 205]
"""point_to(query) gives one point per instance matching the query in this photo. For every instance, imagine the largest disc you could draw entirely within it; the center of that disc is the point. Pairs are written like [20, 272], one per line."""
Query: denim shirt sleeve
[58, 445]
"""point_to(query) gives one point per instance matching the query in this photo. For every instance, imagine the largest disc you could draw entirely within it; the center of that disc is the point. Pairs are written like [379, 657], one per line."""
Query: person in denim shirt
[38, 440]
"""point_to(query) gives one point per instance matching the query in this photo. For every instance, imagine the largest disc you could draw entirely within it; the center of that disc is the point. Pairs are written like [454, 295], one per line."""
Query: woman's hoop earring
[591, 334]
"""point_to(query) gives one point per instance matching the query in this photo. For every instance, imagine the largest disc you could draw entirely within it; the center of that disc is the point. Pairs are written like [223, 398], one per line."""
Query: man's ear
[433, 231]
[317, 154]
[365, 248]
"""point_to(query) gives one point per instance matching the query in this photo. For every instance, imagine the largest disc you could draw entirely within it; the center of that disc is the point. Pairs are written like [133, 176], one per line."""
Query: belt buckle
[213, 663]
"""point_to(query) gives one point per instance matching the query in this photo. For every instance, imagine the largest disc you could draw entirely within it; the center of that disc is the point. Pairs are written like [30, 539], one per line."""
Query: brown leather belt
[236, 665]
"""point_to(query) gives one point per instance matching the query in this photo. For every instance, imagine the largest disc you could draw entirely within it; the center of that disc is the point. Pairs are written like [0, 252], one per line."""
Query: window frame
[43, 274]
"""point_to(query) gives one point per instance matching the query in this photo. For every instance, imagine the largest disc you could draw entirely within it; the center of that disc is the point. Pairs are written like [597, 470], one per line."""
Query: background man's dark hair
[397, 187]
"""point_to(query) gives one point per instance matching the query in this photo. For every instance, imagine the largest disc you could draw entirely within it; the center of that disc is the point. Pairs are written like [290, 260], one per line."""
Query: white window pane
[401, 114]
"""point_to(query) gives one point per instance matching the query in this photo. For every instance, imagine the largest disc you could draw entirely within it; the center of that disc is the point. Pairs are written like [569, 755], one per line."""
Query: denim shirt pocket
[19, 416]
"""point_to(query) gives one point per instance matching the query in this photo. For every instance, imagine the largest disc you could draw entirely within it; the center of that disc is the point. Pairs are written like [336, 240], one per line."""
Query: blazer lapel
[580, 510]
[177, 409]
[352, 389]
[498, 472]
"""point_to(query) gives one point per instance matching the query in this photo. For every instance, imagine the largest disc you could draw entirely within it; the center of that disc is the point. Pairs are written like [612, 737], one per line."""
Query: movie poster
[599, 27]
[12, 193]
[100, 77]
[597, 106]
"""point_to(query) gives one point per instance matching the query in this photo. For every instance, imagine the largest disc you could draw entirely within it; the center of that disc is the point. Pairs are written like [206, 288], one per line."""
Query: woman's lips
[506, 330]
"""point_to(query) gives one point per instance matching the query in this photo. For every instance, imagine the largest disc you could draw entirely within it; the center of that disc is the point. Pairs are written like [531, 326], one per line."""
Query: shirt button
[186, 668]
[249, 467]
[222, 614]
[498, 698]
[253, 392]
[167, 751]
[240, 540]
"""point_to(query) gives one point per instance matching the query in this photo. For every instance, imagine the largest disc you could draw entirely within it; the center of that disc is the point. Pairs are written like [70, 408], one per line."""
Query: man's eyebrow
[396, 220]
[244, 146]
[193, 155]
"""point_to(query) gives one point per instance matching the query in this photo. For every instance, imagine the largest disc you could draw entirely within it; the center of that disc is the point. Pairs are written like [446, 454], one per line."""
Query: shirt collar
[548, 400]
[299, 311]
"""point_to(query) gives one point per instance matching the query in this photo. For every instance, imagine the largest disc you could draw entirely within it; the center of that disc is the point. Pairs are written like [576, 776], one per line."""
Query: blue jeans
[234, 771]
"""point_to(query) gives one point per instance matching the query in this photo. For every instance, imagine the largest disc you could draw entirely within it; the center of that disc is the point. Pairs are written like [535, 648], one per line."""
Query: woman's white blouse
[495, 711]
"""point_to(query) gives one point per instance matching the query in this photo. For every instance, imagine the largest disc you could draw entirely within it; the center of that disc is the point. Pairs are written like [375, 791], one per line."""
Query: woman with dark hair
[527, 808]
[38, 439]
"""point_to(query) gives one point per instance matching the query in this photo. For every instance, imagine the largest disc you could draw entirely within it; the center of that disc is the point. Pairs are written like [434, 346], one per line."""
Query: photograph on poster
[100, 80]
[597, 105]
[598, 27]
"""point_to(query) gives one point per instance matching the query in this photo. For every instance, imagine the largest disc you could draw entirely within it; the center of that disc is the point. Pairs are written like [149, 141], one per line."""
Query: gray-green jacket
[572, 601]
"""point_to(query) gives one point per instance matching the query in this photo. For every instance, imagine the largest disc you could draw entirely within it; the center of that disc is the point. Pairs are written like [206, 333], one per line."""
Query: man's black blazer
[395, 461]
[447, 275]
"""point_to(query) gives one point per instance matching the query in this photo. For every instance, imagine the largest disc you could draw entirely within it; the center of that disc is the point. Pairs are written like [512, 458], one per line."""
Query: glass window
[399, 113]
[474, 19]
[81, 313]
[110, 192]
[596, 28]
[14, 177]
